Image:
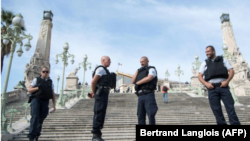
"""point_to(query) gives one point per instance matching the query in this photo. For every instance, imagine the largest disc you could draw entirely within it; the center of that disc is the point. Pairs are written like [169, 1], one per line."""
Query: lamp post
[179, 72]
[65, 55]
[58, 78]
[197, 65]
[13, 35]
[229, 56]
[167, 74]
[84, 65]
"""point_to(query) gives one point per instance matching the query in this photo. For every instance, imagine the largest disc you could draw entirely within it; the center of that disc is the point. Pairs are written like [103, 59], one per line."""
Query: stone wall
[15, 95]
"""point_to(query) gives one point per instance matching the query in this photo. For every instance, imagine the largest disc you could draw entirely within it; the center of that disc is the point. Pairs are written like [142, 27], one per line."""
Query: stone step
[76, 123]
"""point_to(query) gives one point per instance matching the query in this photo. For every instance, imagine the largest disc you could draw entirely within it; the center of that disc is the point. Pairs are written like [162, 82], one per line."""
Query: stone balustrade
[15, 95]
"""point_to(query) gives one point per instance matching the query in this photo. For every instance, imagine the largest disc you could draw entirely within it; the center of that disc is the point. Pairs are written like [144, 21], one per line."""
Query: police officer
[218, 72]
[101, 85]
[42, 90]
[145, 80]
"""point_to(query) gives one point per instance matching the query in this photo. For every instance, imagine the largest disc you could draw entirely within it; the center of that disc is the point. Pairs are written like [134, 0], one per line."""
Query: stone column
[241, 78]
[42, 52]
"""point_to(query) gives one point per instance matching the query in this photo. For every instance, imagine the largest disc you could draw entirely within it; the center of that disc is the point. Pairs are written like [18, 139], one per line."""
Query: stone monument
[72, 81]
[42, 53]
[195, 70]
[240, 81]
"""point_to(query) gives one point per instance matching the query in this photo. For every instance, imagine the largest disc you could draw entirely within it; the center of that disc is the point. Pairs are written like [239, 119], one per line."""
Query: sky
[168, 32]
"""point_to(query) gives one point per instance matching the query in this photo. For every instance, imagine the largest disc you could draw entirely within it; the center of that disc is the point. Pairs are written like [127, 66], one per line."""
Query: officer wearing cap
[145, 80]
[101, 84]
[42, 90]
[218, 72]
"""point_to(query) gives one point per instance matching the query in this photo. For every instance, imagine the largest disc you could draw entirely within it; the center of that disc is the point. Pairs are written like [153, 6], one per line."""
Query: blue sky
[169, 32]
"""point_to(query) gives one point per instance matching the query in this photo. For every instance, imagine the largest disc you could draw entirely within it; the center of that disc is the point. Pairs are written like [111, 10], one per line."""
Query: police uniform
[101, 99]
[146, 96]
[40, 106]
[215, 71]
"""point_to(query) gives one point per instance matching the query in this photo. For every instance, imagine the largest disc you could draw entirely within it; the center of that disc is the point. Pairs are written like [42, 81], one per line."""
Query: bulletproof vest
[106, 80]
[215, 69]
[142, 73]
[45, 92]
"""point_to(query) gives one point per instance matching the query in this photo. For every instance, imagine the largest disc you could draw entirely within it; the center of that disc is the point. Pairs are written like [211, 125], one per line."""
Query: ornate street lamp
[65, 55]
[197, 65]
[178, 72]
[58, 78]
[84, 65]
[167, 74]
[13, 35]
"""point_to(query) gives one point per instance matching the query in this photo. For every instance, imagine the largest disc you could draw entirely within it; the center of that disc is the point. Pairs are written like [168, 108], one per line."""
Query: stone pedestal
[241, 89]
[71, 83]
[166, 83]
[195, 81]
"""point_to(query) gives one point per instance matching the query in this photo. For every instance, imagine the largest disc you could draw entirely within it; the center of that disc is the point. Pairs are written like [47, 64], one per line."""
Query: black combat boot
[97, 137]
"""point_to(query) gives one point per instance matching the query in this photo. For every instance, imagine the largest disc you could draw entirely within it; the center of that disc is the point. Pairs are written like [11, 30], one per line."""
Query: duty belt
[103, 87]
[216, 84]
[100, 89]
[143, 92]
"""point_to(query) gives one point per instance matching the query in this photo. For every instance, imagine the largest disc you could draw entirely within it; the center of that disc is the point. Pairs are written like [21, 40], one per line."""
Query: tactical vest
[215, 69]
[106, 80]
[46, 91]
[142, 73]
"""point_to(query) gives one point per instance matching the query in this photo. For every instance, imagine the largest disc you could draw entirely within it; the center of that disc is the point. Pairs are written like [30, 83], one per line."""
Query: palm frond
[6, 17]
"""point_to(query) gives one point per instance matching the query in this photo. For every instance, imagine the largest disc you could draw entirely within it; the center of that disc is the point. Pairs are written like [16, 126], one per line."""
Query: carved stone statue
[21, 85]
[26, 72]
[74, 72]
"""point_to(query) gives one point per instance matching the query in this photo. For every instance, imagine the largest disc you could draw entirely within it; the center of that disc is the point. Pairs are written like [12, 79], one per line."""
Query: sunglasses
[45, 71]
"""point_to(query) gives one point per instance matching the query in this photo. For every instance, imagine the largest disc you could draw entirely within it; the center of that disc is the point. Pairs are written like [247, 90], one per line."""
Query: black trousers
[217, 94]
[39, 111]
[146, 105]
[100, 106]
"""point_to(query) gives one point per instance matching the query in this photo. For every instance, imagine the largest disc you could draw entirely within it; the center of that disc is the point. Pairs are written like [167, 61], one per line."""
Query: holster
[101, 89]
[30, 98]
[98, 91]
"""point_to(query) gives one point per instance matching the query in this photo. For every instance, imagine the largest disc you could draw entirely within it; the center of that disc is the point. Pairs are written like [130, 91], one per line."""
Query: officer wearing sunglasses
[42, 90]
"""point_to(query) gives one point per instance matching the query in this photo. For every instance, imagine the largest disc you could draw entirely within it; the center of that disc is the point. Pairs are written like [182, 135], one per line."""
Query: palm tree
[6, 21]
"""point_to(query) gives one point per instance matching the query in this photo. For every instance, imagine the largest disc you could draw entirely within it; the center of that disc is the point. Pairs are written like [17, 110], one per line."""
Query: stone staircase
[18, 105]
[76, 123]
